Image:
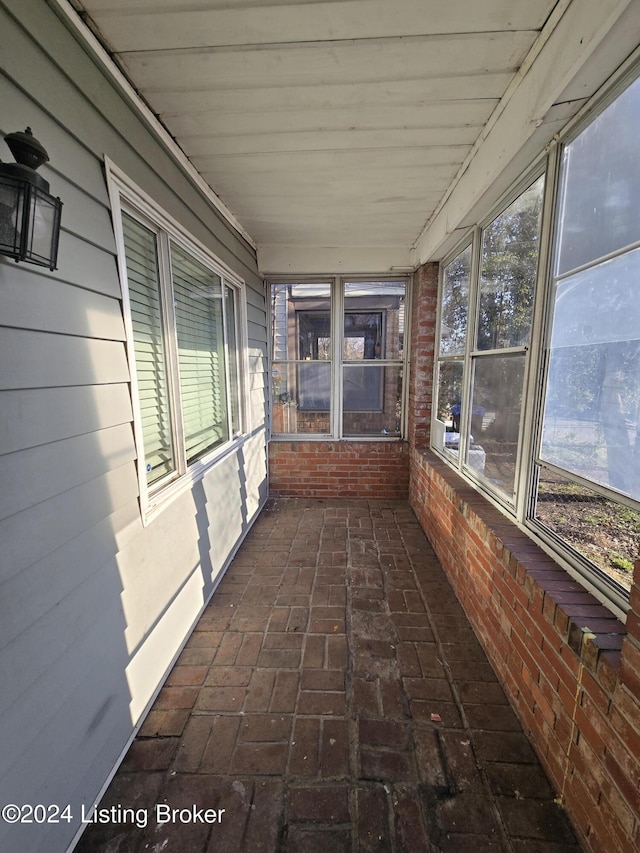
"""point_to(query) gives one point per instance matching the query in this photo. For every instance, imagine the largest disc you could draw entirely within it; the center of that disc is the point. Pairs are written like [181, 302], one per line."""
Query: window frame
[126, 197]
[472, 354]
[337, 361]
[594, 579]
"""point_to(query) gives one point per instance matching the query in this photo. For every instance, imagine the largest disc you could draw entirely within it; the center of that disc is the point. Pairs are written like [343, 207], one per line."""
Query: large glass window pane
[450, 375]
[373, 322]
[232, 353]
[148, 343]
[592, 411]
[455, 304]
[301, 321]
[301, 346]
[508, 272]
[373, 330]
[197, 293]
[600, 201]
[601, 530]
[300, 397]
[495, 419]
[372, 399]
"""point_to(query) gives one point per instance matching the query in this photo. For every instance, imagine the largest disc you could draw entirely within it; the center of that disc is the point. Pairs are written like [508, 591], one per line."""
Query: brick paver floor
[333, 697]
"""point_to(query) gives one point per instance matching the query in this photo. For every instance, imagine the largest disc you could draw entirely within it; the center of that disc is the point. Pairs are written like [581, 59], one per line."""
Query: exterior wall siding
[570, 668]
[94, 605]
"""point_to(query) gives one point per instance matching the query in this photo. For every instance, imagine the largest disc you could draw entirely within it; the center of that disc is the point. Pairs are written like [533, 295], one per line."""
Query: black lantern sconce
[29, 215]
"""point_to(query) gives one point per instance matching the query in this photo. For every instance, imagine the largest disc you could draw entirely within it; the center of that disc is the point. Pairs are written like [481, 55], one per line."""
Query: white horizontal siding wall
[93, 605]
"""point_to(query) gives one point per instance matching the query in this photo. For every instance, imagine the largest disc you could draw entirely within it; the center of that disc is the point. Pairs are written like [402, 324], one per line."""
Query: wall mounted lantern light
[29, 215]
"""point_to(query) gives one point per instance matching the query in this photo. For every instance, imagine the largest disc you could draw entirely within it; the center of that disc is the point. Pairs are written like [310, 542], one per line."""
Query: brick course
[568, 666]
[576, 692]
[339, 469]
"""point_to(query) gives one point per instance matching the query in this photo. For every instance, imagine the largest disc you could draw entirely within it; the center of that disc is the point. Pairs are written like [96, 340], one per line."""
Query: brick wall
[423, 336]
[334, 469]
[569, 667]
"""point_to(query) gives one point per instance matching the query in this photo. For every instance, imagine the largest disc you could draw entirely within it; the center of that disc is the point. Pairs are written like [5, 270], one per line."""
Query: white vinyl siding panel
[93, 605]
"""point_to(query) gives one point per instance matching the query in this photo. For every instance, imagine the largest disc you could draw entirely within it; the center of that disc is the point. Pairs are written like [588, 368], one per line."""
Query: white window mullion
[227, 360]
[337, 336]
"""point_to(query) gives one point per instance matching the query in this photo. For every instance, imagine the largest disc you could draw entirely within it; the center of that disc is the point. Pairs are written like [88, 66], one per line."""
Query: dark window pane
[372, 398]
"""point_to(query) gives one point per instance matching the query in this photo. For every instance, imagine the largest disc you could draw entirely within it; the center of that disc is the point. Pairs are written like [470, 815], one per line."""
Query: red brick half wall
[569, 667]
[339, 469]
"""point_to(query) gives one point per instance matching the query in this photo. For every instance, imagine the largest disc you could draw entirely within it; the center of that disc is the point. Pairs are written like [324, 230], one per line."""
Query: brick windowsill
[593, 633]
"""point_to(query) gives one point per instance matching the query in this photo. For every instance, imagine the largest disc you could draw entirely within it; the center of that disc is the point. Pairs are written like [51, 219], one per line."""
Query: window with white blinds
[185, 338]
[197, 294]
[148, 340]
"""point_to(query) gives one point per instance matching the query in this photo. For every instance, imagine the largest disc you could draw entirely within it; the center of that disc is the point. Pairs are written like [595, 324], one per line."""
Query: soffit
[324, 124]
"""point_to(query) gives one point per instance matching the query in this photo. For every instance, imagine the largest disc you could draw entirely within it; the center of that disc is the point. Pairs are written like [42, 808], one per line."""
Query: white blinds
[151, 368]
[197, 293]
[232, 351]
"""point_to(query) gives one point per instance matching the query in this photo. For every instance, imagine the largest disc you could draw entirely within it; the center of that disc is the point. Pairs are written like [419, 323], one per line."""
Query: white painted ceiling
[325, 124]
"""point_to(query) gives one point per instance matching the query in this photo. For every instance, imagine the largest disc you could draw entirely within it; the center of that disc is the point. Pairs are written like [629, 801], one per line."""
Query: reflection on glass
[300, 321]
[603, 531]
[450, 393]
[151, 368]
[600, 198]
[372, 397]
[373, 322]
[314, 330]
[455, 304]
[495, 419]
[508, 272]
[446, 431]
[300, 398]
[232, 349]
[591, 415]
[362, 336]
[592, 408]
[197, 295]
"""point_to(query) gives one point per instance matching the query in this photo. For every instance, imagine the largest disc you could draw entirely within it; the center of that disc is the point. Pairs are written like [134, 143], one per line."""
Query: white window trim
[336, 293]
[125, 194]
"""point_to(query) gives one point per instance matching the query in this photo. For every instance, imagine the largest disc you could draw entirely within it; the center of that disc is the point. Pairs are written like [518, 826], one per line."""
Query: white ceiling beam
[414, 92]
[223, 147]
[147, 26]
[314, 64]
[311, 259]
[452, 115]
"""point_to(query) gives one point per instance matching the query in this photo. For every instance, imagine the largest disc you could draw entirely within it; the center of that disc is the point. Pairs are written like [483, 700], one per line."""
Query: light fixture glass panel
[11, 216]
[43, 228]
